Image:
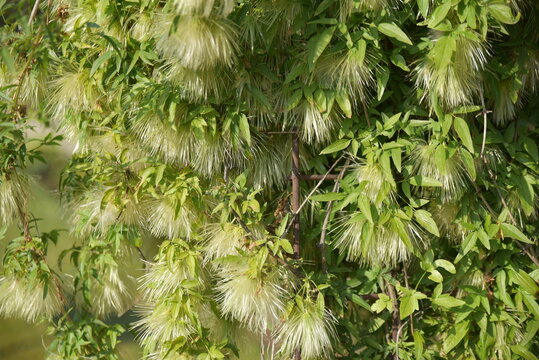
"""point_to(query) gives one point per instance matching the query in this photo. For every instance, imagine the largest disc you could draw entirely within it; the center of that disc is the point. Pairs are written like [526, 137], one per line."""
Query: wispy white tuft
[205, 7]
[71, 91]
[347, 71]
[199, 42]
[167, 218]
[378, 184]
[375, 244]
[23, 298]
[223, 239]
[453, 175]
[308, 329]
[317, 127]
[453, 81]
[13, 195]
[253, 301]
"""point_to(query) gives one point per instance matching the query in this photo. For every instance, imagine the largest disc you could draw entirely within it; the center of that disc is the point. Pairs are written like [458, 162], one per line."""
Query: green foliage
[182, 114]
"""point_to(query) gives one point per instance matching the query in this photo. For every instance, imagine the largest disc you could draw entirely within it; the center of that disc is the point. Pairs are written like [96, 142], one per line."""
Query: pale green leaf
[463, 131]
[392, 30]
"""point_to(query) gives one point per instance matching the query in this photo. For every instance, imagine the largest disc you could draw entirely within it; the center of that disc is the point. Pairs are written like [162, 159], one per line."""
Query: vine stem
[34, 12]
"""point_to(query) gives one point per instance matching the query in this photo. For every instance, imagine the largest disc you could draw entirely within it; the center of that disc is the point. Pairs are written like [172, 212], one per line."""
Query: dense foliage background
[184, 115]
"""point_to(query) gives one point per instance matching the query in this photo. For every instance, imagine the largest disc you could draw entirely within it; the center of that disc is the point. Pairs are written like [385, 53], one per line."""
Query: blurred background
[18, 339]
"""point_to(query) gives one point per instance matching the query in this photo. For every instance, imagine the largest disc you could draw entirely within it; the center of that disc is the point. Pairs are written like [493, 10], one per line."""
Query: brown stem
[366, 114]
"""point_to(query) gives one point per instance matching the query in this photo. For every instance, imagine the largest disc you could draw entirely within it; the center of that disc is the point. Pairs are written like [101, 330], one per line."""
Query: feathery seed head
[205, 7]
[198, 42]
[377, 244]
[197, 84]
[317, 127]
[223, 240]
[163, 278]
[167, 218]
[24, 298]
[346, 71]
[456, 80]
[73, 91]
[13, 195]
[378, 186]
[309, 329]
[256, 303]
[164, 321]
[452, 175]
[173, 144]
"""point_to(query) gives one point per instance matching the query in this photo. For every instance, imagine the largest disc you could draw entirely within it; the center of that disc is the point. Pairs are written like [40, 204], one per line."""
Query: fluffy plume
[114, 292]
[378, 184]
[452, 174]
[163, 278]
[376, 244]
[171, 142]
[170, 219]
[453, 80]
[317, 127]
[347, 71]
[164, 321]
[24, 298]
[308, 329]
[13, 195]
[223, 240]
[444, 216]
[94, 216]
[253, 301]
[72, 91]
[197, 84]
[199, 42]
[205, 7]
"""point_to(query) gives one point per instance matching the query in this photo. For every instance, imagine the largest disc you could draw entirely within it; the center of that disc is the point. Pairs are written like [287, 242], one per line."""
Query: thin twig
[484, 113]
[366, 114]
[319, 183]
[34, 12]
[310, 194]
[329, 208]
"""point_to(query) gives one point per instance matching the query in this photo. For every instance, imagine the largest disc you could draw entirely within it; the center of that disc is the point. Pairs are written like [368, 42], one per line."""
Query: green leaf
[456, 334]
[356, 299]
[392, 30]
[443, 51]
[419, 343]
[244, 129]
[423, 7]
[469, 163]
[447, 301]
[344, 103]
[503, 13]
[436, 276]
[317, 45]
[439, 14]
[461, 127]
[522, 351]
[420, 180]
[330, 196]
[511, 231]
[336, 146]
[424, 218]
[447, 265]
[294, 100]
